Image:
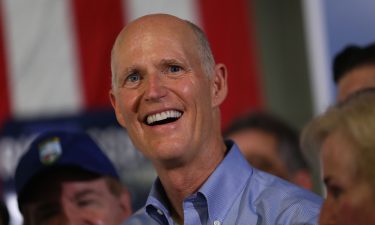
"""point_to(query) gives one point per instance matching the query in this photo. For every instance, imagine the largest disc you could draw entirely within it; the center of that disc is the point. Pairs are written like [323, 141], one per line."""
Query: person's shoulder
[268, 186]
[282, 202]
[140, 218]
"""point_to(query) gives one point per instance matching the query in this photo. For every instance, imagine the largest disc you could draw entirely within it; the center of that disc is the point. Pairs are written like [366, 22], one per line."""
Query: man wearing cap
[65, 178]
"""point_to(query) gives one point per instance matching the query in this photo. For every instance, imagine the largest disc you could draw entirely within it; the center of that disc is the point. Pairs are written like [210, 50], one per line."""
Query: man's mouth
[163, 117]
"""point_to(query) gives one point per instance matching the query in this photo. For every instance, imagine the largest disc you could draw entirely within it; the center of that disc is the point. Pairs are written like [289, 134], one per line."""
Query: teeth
[162, 116]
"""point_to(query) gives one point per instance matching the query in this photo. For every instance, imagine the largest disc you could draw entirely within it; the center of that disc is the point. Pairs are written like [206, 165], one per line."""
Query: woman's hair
[355, 120]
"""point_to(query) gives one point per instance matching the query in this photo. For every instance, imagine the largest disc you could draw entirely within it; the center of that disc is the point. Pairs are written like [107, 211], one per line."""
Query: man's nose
[155, 87]
[76, 216]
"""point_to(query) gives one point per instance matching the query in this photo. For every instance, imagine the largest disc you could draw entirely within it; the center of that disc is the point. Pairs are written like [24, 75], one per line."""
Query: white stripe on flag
[318, 54]
[185, 9]
[42, 58]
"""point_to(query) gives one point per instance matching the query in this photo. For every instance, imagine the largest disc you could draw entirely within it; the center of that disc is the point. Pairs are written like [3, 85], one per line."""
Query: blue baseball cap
[62, 149]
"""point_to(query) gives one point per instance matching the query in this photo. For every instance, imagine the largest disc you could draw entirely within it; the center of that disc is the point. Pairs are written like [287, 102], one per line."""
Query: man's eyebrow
[129, 70]
[85, 193]
[173, 61]
[169, 61]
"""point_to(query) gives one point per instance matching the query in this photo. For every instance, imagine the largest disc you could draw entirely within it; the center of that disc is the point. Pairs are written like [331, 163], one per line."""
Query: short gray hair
[208, 61]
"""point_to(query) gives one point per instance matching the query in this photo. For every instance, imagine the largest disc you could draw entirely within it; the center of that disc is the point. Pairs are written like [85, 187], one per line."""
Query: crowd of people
[166, 92]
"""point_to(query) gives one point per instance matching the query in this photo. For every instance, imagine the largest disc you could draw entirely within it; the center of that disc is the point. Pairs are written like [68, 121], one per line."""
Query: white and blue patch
[50, 151]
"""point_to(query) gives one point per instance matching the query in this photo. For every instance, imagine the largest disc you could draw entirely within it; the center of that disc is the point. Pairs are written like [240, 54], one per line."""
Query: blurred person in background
[4, 214]
[166, 91]
[65, 178]
[354, 70]
[271, 145]
[344, 138]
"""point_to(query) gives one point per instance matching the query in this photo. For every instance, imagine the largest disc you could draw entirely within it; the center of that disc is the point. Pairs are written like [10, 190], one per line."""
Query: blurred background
[55, 73]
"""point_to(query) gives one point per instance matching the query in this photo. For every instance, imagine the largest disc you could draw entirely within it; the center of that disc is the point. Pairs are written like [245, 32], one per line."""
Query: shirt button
[159, 212]
[217, 222]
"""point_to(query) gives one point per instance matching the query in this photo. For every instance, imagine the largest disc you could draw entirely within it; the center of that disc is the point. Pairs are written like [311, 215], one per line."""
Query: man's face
[354, 80]
[163, 97]
[350, 198]
[78, 202]
[261, 150]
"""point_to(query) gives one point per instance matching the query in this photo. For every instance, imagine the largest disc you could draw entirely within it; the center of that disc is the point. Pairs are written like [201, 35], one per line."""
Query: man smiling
[65, 178]
[166, 92]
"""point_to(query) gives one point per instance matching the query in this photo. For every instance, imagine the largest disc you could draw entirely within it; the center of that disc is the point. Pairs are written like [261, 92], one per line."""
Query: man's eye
[174, 69]
[132, 80]
[335, 191]
[85, 203]
[135, 77]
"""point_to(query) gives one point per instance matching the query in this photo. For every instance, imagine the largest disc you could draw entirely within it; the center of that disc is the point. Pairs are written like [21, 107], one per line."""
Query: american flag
[55, 54]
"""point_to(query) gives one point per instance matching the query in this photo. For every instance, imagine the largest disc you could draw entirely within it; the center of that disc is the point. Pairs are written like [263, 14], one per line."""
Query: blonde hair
[355, 119]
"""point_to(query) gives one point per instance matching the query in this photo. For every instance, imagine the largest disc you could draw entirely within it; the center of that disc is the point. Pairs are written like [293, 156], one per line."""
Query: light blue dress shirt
[236, 193]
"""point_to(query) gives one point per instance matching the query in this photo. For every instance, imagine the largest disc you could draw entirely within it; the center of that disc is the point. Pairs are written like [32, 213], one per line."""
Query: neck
[184, 180]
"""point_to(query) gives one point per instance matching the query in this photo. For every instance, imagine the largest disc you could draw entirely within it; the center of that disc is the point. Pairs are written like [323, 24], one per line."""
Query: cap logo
[50, 151]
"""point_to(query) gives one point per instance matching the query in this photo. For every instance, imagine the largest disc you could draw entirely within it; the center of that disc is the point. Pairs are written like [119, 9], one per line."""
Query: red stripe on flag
[231, 34]
[4, 91]
[97, 24]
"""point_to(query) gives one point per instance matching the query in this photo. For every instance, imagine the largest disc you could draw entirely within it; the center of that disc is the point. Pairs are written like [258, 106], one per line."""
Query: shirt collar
[226, 182]
[157, 204]
[220, 190]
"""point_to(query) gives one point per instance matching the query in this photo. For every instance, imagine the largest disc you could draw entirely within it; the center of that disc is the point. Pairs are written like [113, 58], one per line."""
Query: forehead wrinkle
[177, 52]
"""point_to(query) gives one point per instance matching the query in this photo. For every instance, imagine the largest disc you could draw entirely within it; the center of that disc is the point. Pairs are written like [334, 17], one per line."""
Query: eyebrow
[169, 61]
[86, 192]
[128, 70]
[180, 62]
[162, 62]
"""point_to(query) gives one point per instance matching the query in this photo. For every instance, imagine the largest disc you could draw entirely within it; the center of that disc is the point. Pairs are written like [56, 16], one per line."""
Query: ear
[219, 85]
[116, 107]
[125, 203]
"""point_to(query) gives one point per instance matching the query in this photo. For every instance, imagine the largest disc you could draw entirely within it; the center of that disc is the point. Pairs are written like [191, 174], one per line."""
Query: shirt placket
[195, 211]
